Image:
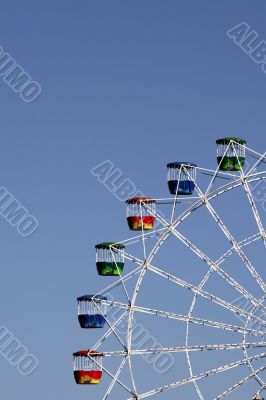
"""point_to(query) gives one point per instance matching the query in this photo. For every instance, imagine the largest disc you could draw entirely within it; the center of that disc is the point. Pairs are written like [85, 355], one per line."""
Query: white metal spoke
[195, 320]
[201, 321]
[113, 377]
[251, 200]
[259, 391]
[239, 251]
[206, 295]
[254, 210]
[118, 283]
[211, 263]
[256, 165]
[258, 379]
[243, 243]
[216, 267]
[133, 259]
[199, 376]
[110, 331]
[111, 327]
[240, 383]
[182, 349]
[232, 240]
[194, 289]
[121, 279]
[253, 153]
[220, 271]
[216, 171]
[220, 174]
[116, 376]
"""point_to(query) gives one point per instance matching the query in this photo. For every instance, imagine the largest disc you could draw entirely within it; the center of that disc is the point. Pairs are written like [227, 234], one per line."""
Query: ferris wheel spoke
[118, 282]
[240, 383]
[111, 327]
[221, 174]
[206, 295]
[165, 235]
[261, 159]
[218, 269]
[255, 154]
[182, 349]
[110, 331]
[216, 192]
[199, 376]
[113, 376]
[251, 199]
[120, 277]
[239, 251]
[194, 289]
[116, 376]
[139, 238]
[231, 239]
[254, 210]
[194, 320]
[259, 391]
[211, 263]
[242, 243]
[134, 259]
[246, 187]
[201, 321]
[217, 170]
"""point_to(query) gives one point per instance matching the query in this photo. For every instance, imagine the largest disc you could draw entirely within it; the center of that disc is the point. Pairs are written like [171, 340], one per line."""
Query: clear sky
[138, 83]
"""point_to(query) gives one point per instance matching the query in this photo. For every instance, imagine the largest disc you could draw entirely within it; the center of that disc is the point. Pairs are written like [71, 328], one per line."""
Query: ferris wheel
[183, 313]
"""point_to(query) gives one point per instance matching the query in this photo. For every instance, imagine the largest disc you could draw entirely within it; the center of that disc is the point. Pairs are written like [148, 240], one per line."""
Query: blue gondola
[92, 311]
[181, 177]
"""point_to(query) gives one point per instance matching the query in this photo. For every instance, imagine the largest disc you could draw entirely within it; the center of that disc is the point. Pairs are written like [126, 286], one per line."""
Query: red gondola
[140, 213]
[87, 367]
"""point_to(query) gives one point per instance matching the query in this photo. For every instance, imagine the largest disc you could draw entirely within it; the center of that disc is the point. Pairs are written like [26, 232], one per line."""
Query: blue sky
[138, 83]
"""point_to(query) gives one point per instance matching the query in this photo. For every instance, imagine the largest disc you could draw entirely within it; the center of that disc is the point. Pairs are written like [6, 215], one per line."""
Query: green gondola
[231, 153]
[110, 258]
